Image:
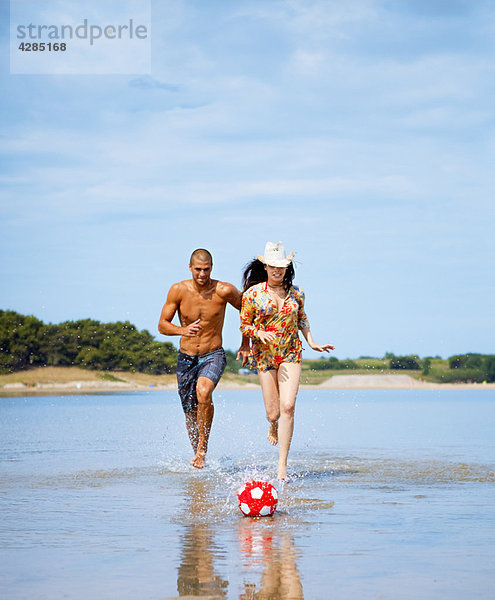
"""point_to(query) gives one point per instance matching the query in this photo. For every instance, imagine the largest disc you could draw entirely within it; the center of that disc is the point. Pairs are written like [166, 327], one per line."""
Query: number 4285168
[42, 47]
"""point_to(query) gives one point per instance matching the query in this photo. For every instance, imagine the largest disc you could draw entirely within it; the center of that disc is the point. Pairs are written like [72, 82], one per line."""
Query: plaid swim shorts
[189, 368]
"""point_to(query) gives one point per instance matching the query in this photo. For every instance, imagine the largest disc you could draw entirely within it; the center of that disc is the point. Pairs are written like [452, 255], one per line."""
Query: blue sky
[360, 133]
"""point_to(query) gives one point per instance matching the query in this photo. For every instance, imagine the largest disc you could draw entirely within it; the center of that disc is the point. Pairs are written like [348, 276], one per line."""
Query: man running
[200, 303]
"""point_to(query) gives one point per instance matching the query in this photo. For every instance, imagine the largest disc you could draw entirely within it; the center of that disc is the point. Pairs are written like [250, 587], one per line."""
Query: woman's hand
[266, 336]
[313, 345]
[323, 348]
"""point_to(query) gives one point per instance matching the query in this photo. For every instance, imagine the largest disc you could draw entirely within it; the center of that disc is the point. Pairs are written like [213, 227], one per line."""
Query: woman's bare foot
[273, 433]
[199, 460]
[282, 470]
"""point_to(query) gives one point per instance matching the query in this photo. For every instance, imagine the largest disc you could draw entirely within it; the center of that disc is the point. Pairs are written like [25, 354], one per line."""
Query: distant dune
[375, 381]
[391, 381]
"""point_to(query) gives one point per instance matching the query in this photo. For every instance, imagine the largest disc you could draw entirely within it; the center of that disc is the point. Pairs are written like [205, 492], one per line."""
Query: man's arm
[230, 294]
[169, 309]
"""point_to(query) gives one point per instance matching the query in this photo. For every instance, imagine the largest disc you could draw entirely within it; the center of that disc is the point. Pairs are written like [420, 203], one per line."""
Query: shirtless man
[200, 303]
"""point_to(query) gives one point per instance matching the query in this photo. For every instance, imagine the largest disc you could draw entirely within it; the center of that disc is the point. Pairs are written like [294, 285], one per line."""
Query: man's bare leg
[204, 392]
[192, 428]
[269, 388]
[289, 375]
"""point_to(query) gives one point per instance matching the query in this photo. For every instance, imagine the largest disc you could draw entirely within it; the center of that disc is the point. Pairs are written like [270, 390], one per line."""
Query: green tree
[405, 362]
[457, 362]
[89, 358]
[490, 369]
[156, 358]
[27, 341]
[347, 364]
[426, 366]
[324, 364]
[19, 343]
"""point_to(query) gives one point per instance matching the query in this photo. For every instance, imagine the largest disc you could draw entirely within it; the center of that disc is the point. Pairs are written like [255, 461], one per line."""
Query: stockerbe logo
[74, 37]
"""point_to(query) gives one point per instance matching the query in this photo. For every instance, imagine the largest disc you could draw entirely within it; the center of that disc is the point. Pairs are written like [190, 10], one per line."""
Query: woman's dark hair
[255, 272]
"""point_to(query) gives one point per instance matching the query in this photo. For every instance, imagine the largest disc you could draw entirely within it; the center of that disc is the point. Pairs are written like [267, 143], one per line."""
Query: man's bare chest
[202, 306]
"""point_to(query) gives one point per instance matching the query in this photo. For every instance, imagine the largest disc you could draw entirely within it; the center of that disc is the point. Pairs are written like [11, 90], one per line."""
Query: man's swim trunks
[189, 368]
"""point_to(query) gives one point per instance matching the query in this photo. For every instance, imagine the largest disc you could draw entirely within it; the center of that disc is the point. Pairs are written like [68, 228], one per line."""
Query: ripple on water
[228, 473]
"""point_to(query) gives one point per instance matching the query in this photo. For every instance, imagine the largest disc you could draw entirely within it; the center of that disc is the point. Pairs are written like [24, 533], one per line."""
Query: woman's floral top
[259, 311]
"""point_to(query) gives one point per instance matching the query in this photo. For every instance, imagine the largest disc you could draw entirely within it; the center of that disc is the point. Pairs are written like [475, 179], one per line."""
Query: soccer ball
[257, 499]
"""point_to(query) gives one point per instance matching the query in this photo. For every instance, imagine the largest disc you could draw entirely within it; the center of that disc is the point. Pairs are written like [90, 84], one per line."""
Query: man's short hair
[202, 255]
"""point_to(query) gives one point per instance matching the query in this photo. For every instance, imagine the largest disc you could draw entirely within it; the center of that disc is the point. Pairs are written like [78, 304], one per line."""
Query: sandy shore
[88, 386]
[393, 381]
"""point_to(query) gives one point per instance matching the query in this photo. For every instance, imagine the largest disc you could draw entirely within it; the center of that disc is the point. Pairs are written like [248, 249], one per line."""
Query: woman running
[272, 313]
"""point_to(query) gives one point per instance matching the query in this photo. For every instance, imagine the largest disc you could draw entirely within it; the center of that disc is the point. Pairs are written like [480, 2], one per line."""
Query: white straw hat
[275, 256]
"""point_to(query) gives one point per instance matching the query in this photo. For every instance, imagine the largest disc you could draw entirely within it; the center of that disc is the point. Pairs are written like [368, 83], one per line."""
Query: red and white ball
[257, 499]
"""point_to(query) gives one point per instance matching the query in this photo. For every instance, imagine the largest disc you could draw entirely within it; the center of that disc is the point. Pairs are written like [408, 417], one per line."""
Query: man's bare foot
[273, 433]
[199, 461]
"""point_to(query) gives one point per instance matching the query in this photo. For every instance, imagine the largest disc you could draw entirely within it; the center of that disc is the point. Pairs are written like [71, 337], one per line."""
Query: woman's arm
[303, 324]
[313, 345]
[247, 316]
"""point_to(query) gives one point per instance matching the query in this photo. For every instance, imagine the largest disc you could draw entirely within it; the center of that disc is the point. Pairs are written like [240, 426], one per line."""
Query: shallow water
[391, 496]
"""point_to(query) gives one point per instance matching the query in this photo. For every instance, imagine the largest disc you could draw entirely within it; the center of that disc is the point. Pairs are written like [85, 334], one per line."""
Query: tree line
[470, 367]
[26, 341]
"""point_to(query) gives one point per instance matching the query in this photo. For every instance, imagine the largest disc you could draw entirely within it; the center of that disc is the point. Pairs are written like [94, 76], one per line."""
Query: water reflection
[267, 555]
[265, 546]
[196, 573]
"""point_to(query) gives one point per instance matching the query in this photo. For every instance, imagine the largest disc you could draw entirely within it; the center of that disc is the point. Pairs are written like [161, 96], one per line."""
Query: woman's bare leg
[289, 375]
[269, 388]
